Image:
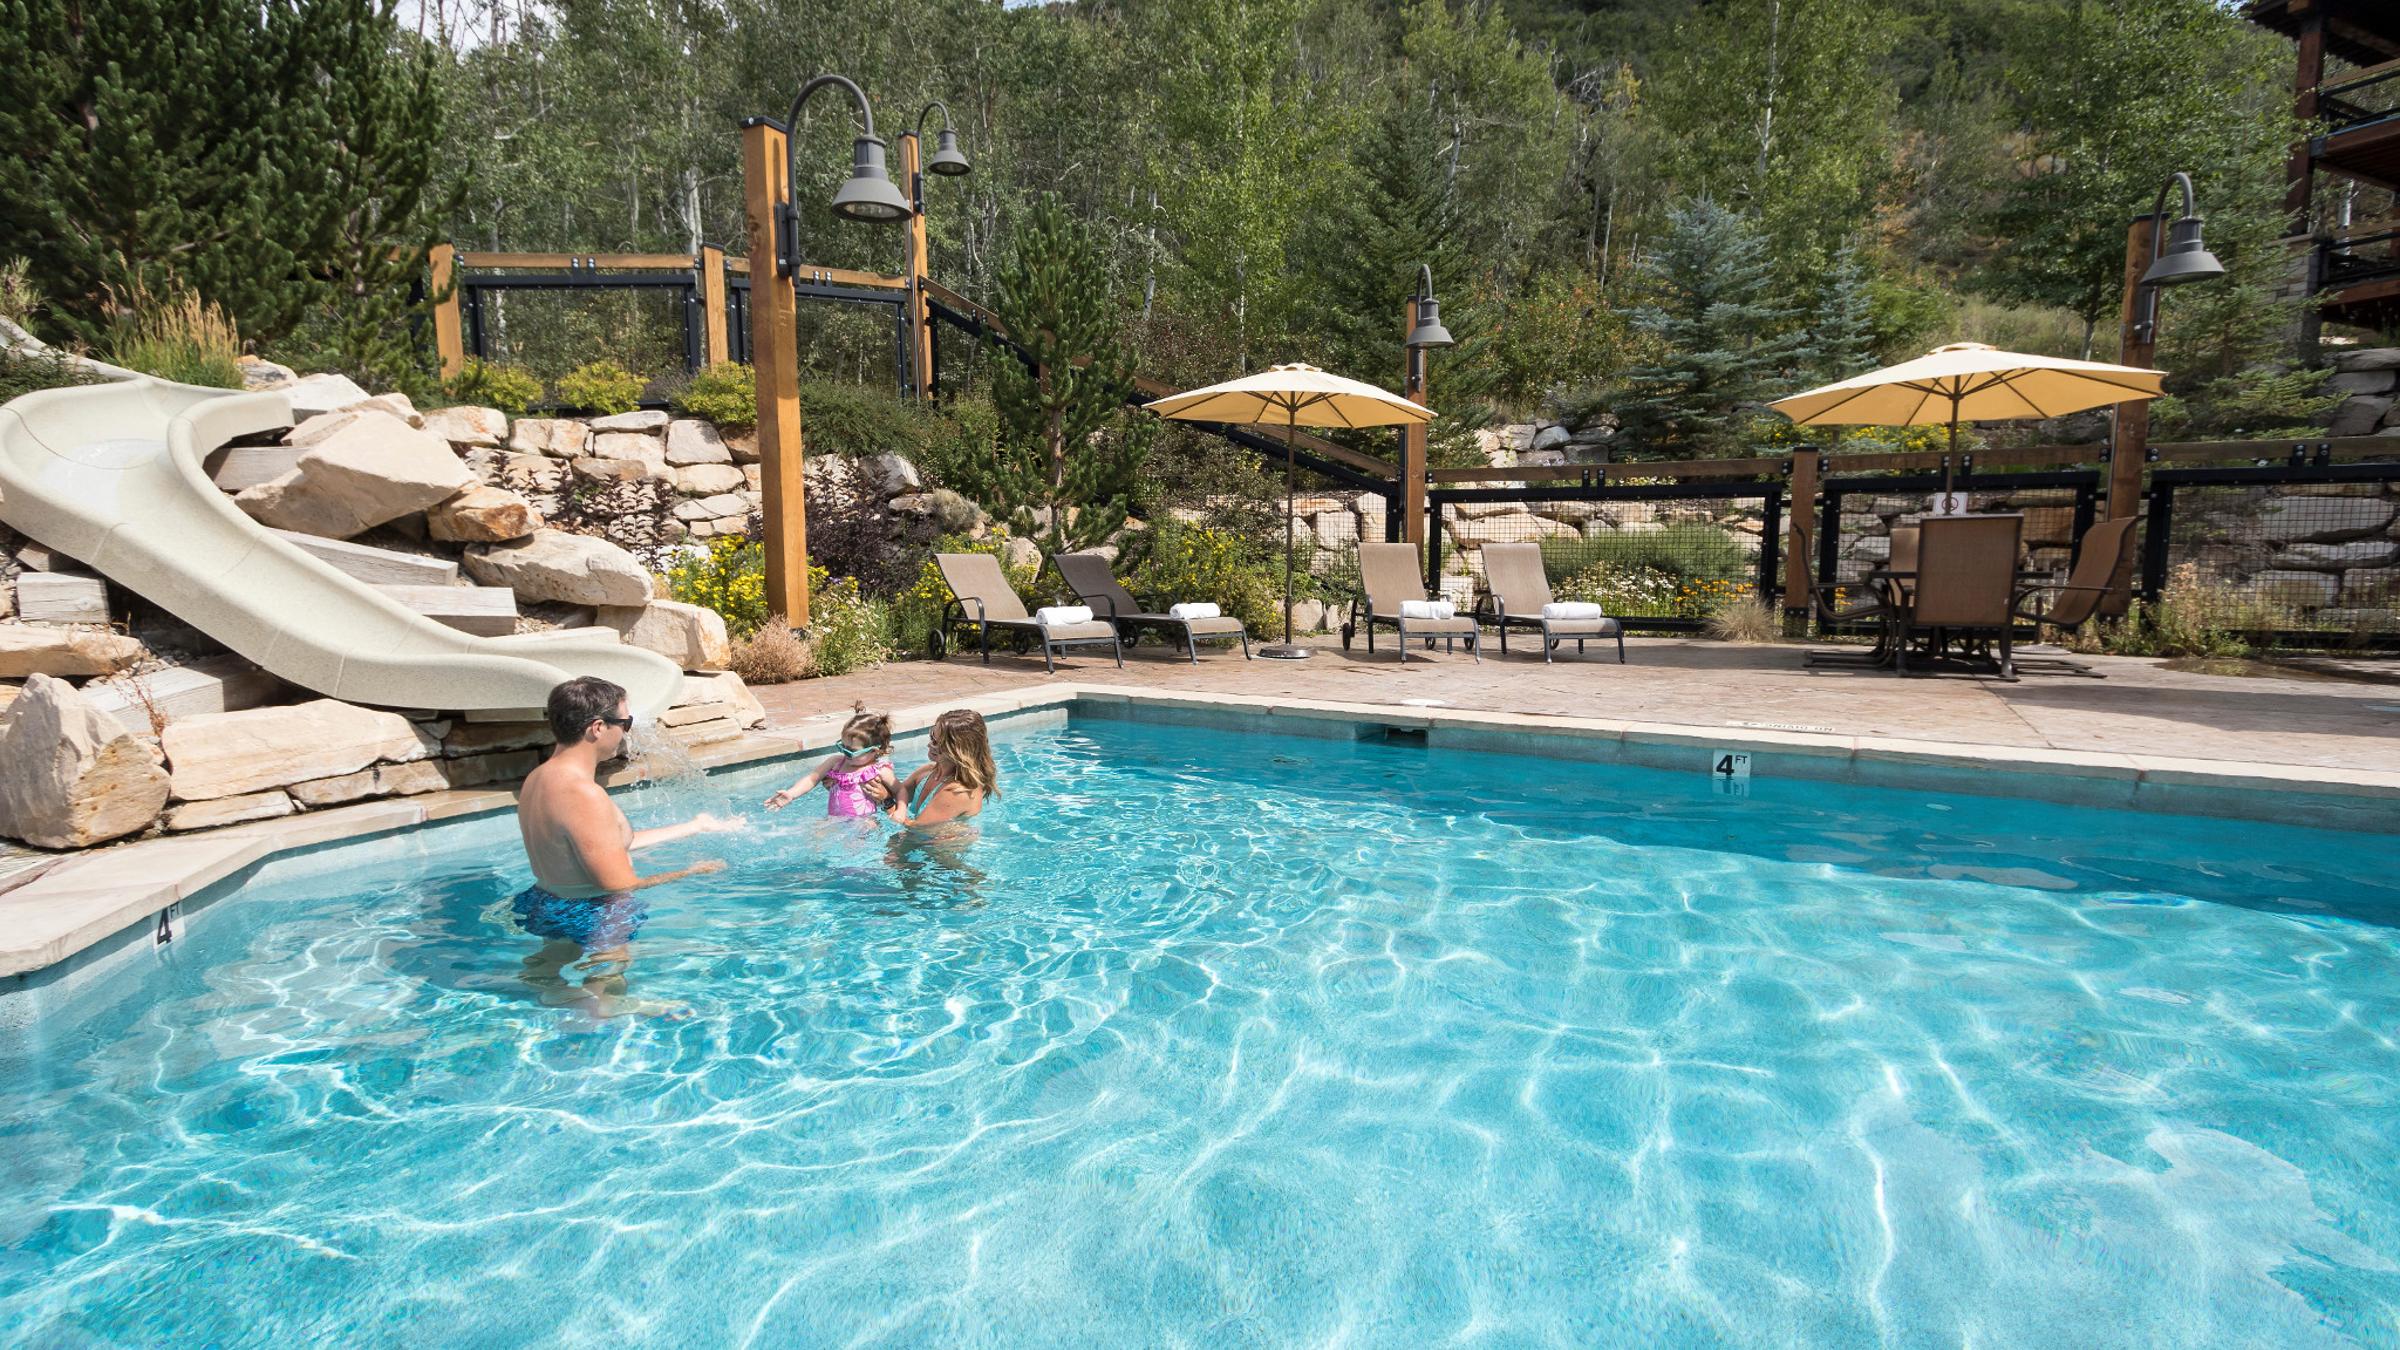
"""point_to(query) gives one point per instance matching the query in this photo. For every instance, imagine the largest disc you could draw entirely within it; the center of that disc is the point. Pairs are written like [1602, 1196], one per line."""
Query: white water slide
[111, 475]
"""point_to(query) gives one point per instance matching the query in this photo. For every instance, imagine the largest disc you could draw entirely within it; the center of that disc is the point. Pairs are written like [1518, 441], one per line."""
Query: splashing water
[670, 779]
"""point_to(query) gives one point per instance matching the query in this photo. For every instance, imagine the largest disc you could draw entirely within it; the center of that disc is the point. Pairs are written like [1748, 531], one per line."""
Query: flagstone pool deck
[2311, 746]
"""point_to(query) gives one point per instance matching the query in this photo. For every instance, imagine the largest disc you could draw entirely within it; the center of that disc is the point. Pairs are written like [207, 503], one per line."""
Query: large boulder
[2309, 590]
[690, 441]
[2359, 414]
[573, 569]
[482, 515]
[395, 405]
[691, 636]
[2324, 520]
[40, 649]
[887, 476]
[649, 451]
[71, 776]
[557, 437]
[712, 508]
[468, 426]
[2368, 358]
[727, 688]
[2340, 557]
[229, 754]
[373, 469]
[322, 394]
[707, 480]
[260, 373]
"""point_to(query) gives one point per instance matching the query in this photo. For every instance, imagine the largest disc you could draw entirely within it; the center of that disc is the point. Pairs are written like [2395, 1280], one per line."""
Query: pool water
[1226, 1039]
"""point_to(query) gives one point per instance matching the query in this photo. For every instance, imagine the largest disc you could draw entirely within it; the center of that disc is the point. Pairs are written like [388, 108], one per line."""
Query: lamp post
[2148, 267]
[774, 228]
[1425, 332]
[948, 161]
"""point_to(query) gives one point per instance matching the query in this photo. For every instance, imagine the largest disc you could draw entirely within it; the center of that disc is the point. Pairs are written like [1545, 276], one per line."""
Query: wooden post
[448, 347]
[920, 331]
[775, 358]
[1800, 538]
[1412, 436]
[2300, 169]
[2129, 440]
[715, 346]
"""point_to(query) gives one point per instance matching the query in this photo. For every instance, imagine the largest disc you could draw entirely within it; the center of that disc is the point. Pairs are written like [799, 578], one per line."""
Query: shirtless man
[584, 894]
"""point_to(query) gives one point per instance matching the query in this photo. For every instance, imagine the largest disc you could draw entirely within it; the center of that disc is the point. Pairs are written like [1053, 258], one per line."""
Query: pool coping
[56, 911]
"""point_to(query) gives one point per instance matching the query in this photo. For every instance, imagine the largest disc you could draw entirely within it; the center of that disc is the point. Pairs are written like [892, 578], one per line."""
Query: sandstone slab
[557, 437]
[250, 806]
[691, 636]
[371, 470]
[481, 515]
[727, 688]
[395, 405]
[380, 780]
[71, 776]
[61, 597]
[315, 394]
[690, 441]
[211, 685]
[573, 569]
[375, 566]
[230, 754]
[649, 421]
[646, 450]
[887, 475]
[709, 480]
[40, 649]
[2324, 520]
[468, 425]
[2340, 557]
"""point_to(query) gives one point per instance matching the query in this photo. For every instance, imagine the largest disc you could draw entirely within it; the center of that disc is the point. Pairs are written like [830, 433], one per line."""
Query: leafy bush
[852, 534]
[963, 453]
[2195, 616]
[850, 630]
[600, 386]
[1193, 562]
[184, 339]
[850, 419]
[773, 655]
[1700, 551]
[725, 394]
[489, 384]
[731, 578]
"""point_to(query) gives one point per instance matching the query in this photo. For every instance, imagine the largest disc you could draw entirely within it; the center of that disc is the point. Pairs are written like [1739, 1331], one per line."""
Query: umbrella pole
[1287, 649]
[1950, 461]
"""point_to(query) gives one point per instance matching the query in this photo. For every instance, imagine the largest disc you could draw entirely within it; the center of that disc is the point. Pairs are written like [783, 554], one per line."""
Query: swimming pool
[1246, 1039]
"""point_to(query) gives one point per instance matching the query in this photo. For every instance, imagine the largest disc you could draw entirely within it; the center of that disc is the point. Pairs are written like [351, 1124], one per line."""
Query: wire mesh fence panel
[552, 331]
[2302, 555]
[1659, 556]
[1860, 513]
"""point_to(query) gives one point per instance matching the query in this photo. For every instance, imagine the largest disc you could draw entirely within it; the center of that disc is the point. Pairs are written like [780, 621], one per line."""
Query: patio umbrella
[1295, 396]
[1973, 382]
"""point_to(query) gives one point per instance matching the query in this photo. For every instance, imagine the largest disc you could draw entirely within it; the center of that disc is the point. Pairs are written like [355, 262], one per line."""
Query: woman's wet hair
[875, 727]
[578, 703]
[960, 739]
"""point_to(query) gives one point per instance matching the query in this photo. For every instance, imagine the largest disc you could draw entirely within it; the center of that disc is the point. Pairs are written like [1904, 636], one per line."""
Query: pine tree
[249, 152]
[1725, 343]
[1844, 331]
[1069, 452]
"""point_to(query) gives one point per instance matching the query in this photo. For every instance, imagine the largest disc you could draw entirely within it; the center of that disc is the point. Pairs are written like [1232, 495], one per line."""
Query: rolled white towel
[1196, 610]
[1572, 609]
[1059, 616]
[1428, 609]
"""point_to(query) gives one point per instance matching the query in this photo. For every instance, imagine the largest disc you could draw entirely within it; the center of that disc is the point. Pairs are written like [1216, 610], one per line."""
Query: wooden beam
[448, 345]
[1800, 532]
[2131, 437]
[617, 262]
[2300, 168]
[715, 344]
[920, 332]
[845, 276]
[1413, 363]
[775, 357]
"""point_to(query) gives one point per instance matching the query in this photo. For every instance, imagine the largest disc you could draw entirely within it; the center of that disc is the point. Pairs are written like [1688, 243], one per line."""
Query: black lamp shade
[1429, 331]
[868, 194]
[947, 160]
[2185, 258]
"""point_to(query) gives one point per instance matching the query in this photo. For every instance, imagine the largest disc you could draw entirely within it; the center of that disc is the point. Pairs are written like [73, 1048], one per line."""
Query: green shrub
[2195, 617]
[731, 578]
[725, 394]
[184, 339]
[601, 387]
[1677, 550]
[1180, 562]
[851, 631]
[489, 384]
[850, 419]
[25, 372]
[20, 299]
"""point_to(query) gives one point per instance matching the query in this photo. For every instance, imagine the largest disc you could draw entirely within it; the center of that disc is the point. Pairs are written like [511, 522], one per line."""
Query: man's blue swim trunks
[596, 924]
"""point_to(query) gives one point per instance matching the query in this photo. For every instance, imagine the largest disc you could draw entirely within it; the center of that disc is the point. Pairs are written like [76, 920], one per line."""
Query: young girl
[865, 757]
[955, 781]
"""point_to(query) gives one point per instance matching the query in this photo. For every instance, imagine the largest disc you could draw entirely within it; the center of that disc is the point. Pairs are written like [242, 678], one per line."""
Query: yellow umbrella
[1295, 396]
[1969, 381]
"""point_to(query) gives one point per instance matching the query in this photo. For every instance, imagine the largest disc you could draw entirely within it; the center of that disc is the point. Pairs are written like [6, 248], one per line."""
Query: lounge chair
[1092, 581]
[1387, 576]
[1519, 588]
[1963, 588]
[981, 595]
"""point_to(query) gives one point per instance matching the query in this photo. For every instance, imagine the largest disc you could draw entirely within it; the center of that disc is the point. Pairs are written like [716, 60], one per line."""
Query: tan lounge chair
[982, 596]
[1519, 587]
[1387, 575]
[1089, 576]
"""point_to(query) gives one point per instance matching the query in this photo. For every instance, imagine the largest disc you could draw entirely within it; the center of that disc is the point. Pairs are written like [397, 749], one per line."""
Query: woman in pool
[952, 786]
[865, 757]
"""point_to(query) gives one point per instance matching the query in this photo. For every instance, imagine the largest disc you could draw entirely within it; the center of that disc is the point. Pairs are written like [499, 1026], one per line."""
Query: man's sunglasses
[620, 723]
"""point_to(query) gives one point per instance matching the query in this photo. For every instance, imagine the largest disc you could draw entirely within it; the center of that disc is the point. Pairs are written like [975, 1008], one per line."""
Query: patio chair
[1088, 575]
[981, 595]
[1878, 605]
[2088, 591]
[1519, 586]
[1963, 588]
[1387, 576]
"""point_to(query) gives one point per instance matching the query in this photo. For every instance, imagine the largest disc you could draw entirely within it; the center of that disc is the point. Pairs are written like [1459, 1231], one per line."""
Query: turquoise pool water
[1220, 1039]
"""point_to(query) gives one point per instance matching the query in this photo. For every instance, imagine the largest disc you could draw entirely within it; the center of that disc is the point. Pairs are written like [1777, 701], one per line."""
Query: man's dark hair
[580, 702]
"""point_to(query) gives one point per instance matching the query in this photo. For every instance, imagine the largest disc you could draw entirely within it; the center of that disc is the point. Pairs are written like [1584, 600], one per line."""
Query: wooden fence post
[714, 345]
[1800, 537]
[448, 347]
[1412, 437]
[916, 314]
[775, 359]
[2129, 435]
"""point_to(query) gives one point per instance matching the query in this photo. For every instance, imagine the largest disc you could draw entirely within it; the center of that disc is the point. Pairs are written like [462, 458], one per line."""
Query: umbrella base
[1285, 652]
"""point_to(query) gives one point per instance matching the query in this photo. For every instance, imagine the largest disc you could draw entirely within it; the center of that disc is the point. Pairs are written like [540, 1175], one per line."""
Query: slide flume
[111, 475]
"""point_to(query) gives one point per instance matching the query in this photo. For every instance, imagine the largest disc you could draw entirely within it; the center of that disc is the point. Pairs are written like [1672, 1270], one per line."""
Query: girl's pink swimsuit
[846, 791]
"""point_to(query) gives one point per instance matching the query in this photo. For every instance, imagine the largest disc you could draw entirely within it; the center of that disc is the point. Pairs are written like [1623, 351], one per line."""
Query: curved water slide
[111, 475]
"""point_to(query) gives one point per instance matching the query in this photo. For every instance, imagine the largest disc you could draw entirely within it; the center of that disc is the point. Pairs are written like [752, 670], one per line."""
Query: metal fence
[1858, 515]
[1660, 556]
[2306, 552]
